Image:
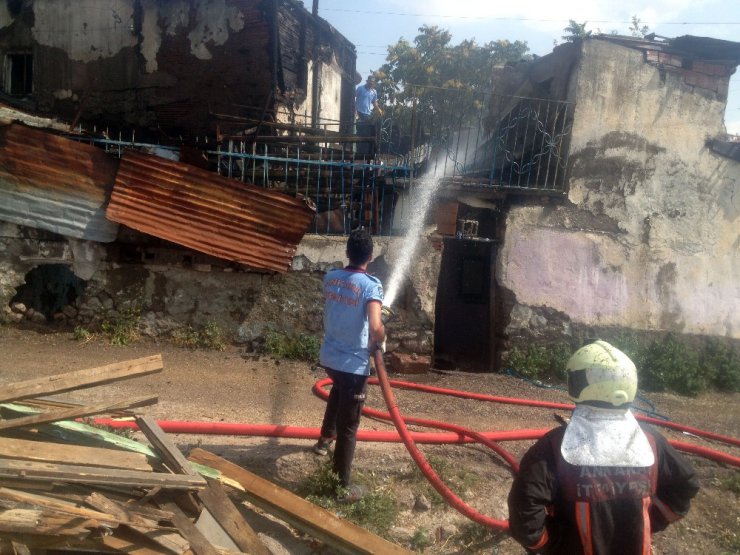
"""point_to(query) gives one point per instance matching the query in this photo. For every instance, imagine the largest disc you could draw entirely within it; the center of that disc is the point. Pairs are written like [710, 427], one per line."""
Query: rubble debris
[69, 486]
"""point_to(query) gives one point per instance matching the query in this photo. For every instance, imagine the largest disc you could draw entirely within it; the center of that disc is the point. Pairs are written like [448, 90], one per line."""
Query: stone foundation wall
[173, 290]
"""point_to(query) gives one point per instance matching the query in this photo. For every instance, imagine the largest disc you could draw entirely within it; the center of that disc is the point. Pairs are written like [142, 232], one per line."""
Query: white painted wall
[661, 246]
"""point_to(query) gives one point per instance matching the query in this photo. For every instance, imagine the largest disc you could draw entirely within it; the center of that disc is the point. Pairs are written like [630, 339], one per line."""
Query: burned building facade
[175, 69]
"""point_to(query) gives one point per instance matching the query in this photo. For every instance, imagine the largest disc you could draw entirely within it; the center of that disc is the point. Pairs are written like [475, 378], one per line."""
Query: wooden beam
[76, 412]
[214, 499]
[132, 547]
[142, 526]
[81, 378]
[53, 504]
[340, 534]
[168, 451]
[19, 548]
[80, 474]
[171, 456]
[125, 508]
[198, 542]
[46, 451]
[36, 521]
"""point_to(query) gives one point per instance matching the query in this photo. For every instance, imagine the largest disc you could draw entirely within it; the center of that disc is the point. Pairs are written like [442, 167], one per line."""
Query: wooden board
[45, 451]
[80, 379]
[168, 451]
[340, 534]
[53, 504]
[198, 542]
[80, 474]
[38, 522]
[76, 412]
[219, 505]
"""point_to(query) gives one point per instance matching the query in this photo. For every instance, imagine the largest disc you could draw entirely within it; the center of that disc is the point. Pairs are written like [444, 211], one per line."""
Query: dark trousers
[365, 127]
[342, 418]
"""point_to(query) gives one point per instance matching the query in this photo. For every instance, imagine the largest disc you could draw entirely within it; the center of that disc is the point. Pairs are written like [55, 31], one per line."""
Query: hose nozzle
[386, 314]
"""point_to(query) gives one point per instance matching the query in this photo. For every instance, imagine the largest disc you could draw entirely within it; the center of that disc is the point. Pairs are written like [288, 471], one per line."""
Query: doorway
[464, 311]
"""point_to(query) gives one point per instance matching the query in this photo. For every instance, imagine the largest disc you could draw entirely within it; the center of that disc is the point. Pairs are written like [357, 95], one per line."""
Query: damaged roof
[208, 213]
[56, 184]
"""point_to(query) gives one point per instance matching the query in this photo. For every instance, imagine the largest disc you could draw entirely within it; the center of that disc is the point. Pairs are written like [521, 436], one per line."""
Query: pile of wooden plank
[66, 485]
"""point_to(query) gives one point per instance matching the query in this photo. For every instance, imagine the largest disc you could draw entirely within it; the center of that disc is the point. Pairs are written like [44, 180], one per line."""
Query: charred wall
[168, 65]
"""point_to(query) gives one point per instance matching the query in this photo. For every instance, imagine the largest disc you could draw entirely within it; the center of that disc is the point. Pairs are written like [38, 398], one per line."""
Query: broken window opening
[48, 290]
[19, 73]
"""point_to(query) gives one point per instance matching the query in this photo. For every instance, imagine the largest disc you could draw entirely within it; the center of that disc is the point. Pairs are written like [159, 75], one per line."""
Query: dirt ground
[234, 386]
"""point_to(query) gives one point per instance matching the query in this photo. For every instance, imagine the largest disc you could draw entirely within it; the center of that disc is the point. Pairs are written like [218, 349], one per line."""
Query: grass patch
[538, 362]
[670, 365]
[687, 365]
[457, 478]
[124, 328]
[684, 365]
[377, 511]
[732, 483]
[421, 539]
[209, 337]
[294, 347]
[82, 334]
[474, 538]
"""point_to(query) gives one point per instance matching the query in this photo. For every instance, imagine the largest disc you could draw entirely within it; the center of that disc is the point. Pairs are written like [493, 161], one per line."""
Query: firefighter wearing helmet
[603, 483]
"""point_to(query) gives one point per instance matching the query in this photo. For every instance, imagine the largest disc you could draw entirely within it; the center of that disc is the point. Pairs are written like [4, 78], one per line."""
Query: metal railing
[510, 143]
[353, 182]
[347, 191]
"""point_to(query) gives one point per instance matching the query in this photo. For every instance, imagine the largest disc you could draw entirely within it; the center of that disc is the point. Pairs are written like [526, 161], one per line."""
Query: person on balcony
[366, 108]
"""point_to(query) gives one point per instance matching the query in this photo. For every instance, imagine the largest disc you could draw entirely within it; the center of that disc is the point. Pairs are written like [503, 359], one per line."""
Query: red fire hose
[453, 434]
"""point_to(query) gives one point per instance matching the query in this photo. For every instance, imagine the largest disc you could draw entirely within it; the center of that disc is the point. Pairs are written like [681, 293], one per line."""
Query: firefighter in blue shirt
[353, 329]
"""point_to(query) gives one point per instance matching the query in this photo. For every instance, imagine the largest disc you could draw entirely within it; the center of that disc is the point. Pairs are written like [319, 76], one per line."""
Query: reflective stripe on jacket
[559, 508]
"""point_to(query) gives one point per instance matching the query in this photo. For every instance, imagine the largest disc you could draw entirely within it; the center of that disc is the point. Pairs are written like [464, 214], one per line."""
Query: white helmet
[602, 375]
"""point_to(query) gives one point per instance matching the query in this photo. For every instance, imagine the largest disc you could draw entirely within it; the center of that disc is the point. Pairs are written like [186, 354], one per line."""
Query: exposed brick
[403, 363]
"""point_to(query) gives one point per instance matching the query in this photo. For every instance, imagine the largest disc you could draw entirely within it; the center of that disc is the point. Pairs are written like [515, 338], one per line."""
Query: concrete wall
[649, 237]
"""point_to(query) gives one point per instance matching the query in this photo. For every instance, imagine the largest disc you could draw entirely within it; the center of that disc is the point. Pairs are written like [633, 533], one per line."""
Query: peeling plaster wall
[331, 92]
[649, 238]
[165, 64]
[85, 29]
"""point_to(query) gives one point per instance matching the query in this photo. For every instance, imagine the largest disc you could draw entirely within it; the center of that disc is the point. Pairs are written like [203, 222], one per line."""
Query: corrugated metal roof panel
[209, 213]
[52, 183]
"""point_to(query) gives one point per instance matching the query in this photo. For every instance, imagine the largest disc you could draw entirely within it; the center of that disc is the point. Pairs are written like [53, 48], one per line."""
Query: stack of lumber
[66, 485]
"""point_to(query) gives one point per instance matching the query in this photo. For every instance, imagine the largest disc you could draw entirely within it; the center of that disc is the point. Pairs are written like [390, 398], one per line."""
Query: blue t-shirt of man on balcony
[365, 99]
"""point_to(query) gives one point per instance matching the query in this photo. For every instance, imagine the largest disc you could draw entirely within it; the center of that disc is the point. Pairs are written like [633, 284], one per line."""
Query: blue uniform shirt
[365, 99]
[346, 330]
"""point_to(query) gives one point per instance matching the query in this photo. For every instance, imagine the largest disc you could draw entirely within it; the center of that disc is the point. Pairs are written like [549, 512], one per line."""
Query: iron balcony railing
[509, 144]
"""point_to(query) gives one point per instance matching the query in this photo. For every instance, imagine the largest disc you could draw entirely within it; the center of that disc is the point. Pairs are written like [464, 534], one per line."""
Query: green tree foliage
[575, 31]
[444, 84]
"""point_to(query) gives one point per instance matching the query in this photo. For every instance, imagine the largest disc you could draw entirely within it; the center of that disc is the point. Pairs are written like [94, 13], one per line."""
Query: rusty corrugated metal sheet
[52, 183]
[208, 213]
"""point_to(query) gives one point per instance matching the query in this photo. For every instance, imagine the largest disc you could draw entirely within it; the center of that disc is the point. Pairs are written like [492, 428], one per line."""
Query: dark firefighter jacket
[559, 508]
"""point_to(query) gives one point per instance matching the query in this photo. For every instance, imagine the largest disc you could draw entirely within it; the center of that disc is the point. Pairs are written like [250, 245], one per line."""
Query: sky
[373, 25]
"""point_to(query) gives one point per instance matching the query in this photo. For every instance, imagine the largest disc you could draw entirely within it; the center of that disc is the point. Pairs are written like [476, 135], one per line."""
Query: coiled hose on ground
[452, 433]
